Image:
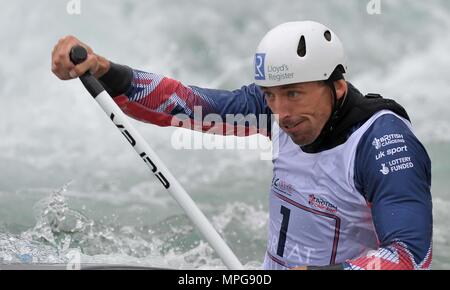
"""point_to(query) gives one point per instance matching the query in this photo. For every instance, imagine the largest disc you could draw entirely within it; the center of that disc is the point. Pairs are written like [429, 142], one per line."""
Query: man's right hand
[64, 69]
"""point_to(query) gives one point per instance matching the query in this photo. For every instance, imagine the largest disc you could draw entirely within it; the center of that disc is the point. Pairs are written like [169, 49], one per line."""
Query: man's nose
[282, 108]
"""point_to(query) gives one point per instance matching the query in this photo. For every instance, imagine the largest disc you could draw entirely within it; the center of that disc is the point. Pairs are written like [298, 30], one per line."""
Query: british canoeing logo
[322, 203]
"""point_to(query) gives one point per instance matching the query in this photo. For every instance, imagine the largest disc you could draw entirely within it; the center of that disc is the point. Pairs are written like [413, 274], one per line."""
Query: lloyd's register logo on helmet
[260, 59]
[271, 72]
[279, 72]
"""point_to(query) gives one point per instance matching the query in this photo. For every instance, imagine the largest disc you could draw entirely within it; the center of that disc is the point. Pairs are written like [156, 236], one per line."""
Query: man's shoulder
[389, 154]
[385, 126]
[388, 142]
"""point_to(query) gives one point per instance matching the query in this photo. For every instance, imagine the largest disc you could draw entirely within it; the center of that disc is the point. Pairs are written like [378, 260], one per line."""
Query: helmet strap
[337, 104]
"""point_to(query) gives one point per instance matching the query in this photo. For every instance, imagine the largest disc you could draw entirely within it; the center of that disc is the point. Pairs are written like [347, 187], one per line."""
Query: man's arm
[393, 172]
[160, 100]
[165, 102]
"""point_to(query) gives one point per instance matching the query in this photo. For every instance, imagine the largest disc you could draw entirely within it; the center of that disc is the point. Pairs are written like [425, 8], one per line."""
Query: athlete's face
[303, 108]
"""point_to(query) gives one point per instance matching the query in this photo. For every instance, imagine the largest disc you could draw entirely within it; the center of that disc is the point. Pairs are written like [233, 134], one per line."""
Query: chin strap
[336, 106]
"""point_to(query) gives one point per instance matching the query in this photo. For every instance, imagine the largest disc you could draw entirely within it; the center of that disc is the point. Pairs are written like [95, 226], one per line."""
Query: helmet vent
[301, 50]
[327, 35]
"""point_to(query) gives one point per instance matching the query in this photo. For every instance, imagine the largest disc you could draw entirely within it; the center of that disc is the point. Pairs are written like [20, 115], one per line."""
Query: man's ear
[341, 88]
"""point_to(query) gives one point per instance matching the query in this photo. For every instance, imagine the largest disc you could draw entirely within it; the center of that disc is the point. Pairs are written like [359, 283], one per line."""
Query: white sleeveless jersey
[317, 216]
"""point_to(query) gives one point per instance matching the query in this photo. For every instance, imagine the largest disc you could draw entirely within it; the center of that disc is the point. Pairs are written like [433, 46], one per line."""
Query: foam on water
[172, 243]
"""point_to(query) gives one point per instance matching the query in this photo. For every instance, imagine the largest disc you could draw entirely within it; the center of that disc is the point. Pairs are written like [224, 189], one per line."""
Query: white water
[52, 132]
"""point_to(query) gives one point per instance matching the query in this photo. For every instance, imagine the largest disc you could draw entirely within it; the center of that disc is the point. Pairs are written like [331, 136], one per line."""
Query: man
[351, 185]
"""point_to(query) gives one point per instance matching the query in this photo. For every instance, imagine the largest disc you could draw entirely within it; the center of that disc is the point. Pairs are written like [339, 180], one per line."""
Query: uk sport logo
[260, 60]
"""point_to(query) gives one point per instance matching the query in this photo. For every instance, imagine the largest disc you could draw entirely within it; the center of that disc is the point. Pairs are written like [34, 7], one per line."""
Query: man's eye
[293, 94]
[268, 96]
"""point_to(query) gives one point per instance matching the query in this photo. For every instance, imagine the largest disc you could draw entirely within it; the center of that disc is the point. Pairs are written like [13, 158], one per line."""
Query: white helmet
[297, 52]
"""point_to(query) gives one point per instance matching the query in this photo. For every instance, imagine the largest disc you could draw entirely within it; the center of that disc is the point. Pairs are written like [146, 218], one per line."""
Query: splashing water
[172, 243]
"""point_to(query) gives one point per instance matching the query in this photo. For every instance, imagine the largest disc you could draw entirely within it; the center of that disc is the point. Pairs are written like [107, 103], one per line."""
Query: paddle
[78, 55]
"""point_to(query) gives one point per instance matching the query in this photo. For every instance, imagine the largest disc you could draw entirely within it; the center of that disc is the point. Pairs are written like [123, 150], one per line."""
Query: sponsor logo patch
[283, 186]
[260, 60]
[387, 140]
[322, 204]
[396, 165]
[384, 169]
[391, 152]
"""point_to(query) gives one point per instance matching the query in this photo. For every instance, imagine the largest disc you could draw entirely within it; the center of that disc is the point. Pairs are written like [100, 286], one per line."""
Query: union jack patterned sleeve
[393, 172]
[164, 102]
